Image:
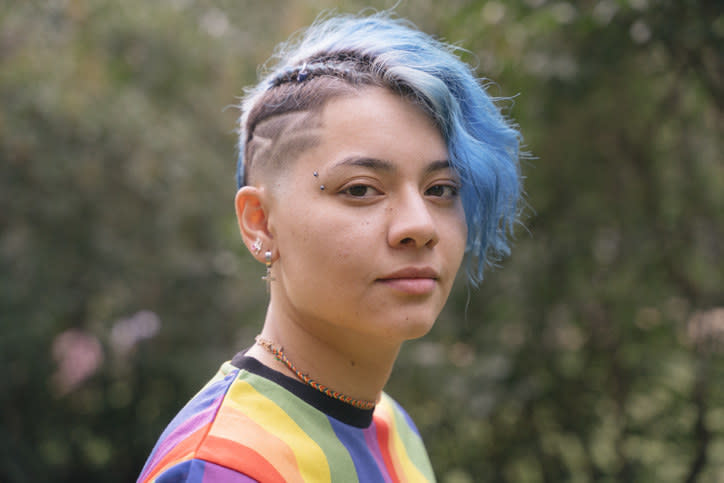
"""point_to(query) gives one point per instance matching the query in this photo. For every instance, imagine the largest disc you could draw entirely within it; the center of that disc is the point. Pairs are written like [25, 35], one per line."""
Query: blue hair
[484, 147]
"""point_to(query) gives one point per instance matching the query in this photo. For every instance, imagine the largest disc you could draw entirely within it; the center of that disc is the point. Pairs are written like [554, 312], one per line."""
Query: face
[376, 251]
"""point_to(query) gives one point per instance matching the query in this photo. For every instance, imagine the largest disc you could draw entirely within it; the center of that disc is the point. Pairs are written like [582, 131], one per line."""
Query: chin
[407, 330]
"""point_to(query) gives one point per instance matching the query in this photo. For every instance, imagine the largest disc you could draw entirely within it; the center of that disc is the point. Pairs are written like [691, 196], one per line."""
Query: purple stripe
[200, 471]
[366, 463]
[373, 446]
[218, 474]
[195, 414]
[180, 433]
[202, 401]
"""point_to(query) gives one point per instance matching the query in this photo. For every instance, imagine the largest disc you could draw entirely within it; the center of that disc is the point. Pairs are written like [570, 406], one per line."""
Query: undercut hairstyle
[341, 55]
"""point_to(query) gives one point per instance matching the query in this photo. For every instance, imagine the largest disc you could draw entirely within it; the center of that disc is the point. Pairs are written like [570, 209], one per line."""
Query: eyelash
[452, 191]
[448, 191]
[366, 187]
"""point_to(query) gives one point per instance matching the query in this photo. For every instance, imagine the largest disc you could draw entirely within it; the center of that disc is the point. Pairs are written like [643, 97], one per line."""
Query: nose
[411, 223]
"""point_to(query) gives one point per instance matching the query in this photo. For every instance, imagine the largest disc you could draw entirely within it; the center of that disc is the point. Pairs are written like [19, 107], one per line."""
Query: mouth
[412, 280]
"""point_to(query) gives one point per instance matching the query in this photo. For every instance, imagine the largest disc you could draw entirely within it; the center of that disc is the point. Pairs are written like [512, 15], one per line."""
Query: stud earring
[256, 246]
[268, 277]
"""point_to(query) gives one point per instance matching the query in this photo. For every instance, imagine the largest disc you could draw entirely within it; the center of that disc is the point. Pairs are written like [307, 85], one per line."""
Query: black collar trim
[360, 418]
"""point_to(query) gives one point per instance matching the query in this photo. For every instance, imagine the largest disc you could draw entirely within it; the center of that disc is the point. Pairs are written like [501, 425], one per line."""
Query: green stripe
[312, 422]
[411, 441]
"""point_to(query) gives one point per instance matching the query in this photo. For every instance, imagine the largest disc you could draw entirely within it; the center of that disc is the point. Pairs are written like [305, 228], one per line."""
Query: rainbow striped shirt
[251, 423]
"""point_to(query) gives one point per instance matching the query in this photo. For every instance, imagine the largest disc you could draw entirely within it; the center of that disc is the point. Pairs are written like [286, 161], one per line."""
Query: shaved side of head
[280, 139]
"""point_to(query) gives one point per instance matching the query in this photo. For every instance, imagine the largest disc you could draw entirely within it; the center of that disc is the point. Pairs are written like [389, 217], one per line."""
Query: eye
[360, 191]
[442, 191]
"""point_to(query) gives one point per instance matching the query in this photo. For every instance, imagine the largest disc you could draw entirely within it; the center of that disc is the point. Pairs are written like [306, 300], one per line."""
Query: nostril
[407, 241]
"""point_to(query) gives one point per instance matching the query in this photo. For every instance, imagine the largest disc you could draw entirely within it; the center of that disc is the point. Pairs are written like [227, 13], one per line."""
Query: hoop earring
[268, 277]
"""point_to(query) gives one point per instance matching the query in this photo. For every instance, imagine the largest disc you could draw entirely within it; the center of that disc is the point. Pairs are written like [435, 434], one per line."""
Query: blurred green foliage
[593, 354]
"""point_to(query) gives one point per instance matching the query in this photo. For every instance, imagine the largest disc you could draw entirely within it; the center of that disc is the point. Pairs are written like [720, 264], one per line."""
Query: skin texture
[369, 261]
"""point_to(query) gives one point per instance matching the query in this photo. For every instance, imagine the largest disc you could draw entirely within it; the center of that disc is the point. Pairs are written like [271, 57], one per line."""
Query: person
[372, 163]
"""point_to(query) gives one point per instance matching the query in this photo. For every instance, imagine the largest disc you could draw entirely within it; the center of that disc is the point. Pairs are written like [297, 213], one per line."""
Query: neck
[355, 364]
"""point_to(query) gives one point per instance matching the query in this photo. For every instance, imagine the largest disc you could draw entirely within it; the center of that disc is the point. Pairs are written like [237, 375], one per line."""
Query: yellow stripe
[312, 461]
[400, 456]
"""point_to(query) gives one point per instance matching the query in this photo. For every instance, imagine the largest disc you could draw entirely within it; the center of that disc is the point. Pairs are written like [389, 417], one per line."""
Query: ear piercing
[256, 246]
[268, 277]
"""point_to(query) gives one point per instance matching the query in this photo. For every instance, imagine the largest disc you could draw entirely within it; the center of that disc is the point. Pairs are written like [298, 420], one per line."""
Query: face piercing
[316, 175]
[321, 187]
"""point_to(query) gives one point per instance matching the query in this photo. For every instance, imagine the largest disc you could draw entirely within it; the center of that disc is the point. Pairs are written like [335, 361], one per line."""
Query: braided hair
[340, 55]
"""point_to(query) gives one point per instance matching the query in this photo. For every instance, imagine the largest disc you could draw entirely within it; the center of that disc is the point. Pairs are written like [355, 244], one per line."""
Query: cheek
[329, 243]
[463, 230]
[459, 235]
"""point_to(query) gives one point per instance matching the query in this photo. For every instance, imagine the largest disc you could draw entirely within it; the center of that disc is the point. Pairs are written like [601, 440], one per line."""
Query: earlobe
[251, 214]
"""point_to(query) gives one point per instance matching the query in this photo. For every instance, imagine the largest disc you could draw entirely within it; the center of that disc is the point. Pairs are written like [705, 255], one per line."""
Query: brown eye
[360, 191]
[442, 190]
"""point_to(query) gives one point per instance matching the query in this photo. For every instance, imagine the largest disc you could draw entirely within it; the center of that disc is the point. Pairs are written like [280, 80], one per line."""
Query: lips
[412, 280]
[412, 272]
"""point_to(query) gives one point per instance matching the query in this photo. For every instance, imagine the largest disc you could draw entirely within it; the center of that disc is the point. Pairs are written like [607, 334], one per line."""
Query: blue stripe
[200, 402]
[353, 439]
[408, 419]
[196, 405]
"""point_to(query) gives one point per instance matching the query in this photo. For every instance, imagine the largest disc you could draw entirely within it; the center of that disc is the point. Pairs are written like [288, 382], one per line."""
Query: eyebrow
[384, 165]
[438, 166]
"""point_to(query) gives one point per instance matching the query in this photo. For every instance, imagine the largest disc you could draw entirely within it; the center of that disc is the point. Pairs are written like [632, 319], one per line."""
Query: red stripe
[234, 426]
[240, 458]
[383, 440]
[180, 452]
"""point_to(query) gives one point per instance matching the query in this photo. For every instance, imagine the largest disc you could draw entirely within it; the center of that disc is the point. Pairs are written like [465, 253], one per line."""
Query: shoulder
[176, 449]
[245, 425]
[399, 437]
[196, 470]
[390, 411]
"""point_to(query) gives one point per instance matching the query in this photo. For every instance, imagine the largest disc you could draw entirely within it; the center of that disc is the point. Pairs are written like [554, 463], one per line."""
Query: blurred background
[594, 353]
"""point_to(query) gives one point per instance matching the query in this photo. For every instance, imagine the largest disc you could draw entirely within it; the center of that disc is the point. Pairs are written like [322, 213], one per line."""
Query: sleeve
[200, 471]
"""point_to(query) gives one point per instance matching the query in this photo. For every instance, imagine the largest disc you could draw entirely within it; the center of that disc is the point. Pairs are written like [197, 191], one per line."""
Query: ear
[252, 215]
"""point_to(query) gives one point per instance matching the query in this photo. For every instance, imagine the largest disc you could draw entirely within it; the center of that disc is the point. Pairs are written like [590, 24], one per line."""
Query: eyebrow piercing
[321, 187]
[316, 174]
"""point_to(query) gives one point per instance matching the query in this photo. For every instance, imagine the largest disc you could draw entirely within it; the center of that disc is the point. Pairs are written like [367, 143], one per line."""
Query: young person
[372, 162]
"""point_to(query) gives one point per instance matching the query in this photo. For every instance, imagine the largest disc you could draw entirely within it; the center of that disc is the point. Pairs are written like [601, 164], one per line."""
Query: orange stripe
[383, 439]
[240, 458]
[182, 451]
[404, 466]
[232, 425]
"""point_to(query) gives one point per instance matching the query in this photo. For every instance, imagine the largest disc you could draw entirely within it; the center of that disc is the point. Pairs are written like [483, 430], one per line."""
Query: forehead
[371, 122]
[380, 124]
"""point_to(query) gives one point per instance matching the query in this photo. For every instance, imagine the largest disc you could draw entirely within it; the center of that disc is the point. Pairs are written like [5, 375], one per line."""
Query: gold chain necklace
[278, 353]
